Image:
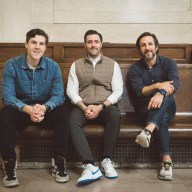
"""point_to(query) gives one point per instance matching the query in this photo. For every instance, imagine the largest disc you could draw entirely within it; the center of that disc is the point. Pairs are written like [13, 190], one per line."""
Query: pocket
[23, 87]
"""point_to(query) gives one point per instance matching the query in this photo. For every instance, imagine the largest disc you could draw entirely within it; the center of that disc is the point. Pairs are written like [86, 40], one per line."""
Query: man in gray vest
[95, 86]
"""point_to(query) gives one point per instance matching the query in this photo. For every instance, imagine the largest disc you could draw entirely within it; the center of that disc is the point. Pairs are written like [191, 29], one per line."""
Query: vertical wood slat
[58, 52]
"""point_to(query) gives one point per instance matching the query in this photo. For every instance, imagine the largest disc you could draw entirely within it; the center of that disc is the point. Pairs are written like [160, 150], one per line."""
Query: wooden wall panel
[122, 53]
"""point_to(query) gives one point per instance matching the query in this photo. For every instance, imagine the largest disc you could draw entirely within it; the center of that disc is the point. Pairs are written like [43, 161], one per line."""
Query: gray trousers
[109, 117]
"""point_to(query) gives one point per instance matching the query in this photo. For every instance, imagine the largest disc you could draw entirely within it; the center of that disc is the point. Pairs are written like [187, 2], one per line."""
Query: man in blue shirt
[154, 80]
[33, 93]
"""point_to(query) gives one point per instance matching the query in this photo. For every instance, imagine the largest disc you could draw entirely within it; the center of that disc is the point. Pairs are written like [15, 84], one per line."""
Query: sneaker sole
[142, 141]
[108, 177]
[64, 180]
[114, 177]
[167, 178]
[15, 184]
[88, 181]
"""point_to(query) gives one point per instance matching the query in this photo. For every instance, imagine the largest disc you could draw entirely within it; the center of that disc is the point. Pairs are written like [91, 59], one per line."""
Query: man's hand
[167, 86]
[93, 111]
[35, 112]
[39, 112]
[156, 101]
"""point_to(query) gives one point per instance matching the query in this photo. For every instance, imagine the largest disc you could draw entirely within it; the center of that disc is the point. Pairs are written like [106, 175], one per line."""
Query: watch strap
[103, 105]
[48, 108]
[163, 92]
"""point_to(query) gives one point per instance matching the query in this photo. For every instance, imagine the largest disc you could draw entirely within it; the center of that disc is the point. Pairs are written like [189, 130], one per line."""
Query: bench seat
[130, 127]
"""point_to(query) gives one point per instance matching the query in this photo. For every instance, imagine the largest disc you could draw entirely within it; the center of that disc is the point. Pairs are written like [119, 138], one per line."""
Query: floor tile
[159, 187]
[129, 180]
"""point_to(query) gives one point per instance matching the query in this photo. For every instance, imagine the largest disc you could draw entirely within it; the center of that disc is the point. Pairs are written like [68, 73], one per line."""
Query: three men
[154, 80]
[32, 90]
[95, 86]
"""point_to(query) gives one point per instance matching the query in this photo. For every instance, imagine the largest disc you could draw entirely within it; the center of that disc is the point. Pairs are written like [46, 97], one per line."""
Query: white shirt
[116, 83]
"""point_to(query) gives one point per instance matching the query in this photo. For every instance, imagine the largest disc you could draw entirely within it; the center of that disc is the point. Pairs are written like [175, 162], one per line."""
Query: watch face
[163, 92]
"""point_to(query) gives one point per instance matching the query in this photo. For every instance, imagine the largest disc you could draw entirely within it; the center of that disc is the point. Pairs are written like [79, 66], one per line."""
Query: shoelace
[167, 165]
[108, 164]
[86, 168]
[60, 168]
[10, 172]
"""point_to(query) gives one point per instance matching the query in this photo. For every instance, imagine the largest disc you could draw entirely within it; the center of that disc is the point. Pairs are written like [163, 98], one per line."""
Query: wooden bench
[35, 145]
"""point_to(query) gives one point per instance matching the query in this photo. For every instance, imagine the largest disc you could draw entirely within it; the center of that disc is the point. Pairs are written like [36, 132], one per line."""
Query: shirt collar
[25, 65]
[145, 65]
[96, 60]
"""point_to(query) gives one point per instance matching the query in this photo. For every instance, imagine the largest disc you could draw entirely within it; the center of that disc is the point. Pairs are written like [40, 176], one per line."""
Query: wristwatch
[163, 92]
[103, 105]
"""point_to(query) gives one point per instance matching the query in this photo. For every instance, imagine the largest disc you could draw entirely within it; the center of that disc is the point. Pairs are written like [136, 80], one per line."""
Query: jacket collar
[25, 65]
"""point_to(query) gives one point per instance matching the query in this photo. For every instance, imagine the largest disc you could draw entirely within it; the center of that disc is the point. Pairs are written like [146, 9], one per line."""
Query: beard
[148, 56]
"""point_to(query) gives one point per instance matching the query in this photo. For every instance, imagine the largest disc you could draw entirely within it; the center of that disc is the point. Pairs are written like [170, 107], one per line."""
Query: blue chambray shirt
[22, 85]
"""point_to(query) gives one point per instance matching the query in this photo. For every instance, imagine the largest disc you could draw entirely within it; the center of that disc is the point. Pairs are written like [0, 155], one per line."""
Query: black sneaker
[10, 178]
[59, 171]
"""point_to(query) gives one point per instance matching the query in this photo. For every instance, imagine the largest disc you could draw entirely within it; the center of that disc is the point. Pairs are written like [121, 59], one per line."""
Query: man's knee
[114, 113]
[77, 117]
[7, 113]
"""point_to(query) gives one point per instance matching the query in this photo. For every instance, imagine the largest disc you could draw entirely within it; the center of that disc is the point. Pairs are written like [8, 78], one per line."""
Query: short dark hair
[92, 32]
[144, 35]
[33, 32]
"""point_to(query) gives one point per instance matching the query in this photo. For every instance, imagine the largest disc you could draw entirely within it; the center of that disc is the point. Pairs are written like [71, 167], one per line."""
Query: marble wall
[119, 21]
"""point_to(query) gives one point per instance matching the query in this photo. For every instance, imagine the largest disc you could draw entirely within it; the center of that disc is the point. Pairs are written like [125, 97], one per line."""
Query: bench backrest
[122, 53]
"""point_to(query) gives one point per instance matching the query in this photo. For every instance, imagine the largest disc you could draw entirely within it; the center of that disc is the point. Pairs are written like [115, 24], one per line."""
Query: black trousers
[11, 120]
[109, 117]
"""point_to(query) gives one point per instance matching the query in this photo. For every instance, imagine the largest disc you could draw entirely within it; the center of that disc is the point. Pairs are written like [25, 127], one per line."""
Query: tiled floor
[130, 180]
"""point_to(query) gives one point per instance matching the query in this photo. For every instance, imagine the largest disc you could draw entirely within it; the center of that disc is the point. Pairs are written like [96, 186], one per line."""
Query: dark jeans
[161, 118]
[109, 117]
[11, 120]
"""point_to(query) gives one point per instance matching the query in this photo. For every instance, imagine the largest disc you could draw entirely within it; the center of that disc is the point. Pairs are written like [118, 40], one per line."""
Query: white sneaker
[58, 170]
[166, 172]
[90, 173]
[108, 169]
[143, 138]
[10, 178]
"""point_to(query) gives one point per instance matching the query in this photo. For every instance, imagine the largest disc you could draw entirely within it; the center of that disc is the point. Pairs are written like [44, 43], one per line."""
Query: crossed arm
[157, 99]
